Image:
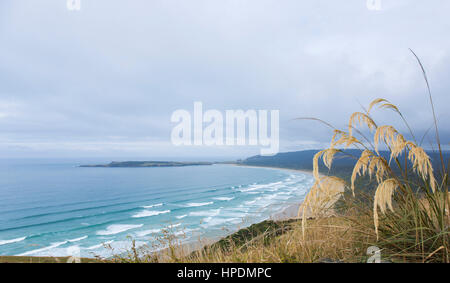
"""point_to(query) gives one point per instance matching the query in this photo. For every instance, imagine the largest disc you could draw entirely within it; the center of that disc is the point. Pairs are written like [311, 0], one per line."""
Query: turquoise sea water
[50, 207]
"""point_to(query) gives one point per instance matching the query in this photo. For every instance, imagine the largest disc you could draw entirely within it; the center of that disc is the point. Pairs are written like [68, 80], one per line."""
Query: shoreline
[309, 172]
[290, 211]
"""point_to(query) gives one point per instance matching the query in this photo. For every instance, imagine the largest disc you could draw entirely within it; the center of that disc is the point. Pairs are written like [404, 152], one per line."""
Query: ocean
[53, 207]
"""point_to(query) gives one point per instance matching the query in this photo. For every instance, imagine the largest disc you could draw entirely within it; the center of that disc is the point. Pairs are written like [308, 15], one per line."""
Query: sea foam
[45, 249]
[147, 232]
[195, 204]
[224, 198]
[99, 245]
[77, 239]
[153, 205]
[118, 228]
[208, 213]
[147, 213]
[5, 242]
[214, 221]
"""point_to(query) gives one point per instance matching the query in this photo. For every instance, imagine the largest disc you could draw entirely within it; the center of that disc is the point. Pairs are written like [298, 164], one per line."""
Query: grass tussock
[410, 207]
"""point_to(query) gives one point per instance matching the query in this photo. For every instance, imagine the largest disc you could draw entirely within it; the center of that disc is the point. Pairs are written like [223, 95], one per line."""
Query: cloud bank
[104, 81]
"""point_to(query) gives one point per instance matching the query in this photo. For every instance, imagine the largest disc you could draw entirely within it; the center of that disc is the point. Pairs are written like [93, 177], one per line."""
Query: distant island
[149, 164]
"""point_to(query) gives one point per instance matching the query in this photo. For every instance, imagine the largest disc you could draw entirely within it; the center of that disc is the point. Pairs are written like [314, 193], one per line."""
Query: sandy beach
[291, 211]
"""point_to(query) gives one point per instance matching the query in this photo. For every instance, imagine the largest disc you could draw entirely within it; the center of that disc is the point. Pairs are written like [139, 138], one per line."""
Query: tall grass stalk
[410, 207]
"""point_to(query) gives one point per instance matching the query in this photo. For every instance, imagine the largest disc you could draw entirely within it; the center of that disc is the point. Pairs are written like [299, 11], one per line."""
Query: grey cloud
[114, 72]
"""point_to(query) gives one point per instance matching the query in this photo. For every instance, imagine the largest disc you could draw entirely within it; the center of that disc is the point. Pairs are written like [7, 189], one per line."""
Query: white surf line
[148, 213]
[153, 205]
[5, 242]
[77, 239]
[118, 228]
[98, 246]
[224, 198]
[196, 204]
[52, 246]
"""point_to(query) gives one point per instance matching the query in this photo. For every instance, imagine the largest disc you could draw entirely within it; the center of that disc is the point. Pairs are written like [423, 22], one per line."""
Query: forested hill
[342, 164]
[302, 160]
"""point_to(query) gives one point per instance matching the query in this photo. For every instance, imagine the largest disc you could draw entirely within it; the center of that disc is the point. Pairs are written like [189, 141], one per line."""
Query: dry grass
[409, 207]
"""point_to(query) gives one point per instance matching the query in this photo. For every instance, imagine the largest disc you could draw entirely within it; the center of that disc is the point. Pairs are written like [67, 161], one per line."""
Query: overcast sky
[104, 81]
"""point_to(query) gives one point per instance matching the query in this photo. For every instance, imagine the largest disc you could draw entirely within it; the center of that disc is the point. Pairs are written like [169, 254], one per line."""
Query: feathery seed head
[362, 119]
[361, 165]
[383, 198]
[375, 102]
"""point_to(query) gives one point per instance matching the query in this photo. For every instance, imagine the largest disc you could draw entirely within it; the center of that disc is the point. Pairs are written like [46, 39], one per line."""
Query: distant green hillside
[342, 164]
[302, 160]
